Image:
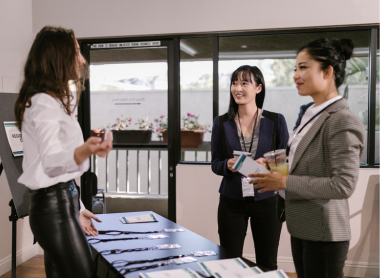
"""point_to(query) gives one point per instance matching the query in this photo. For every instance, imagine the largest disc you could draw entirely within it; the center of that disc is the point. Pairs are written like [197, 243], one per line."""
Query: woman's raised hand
[231, 163]
[100, 149]
[93, 145]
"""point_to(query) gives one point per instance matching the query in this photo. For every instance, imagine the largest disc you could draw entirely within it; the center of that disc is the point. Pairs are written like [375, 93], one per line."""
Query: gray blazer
[323, 176]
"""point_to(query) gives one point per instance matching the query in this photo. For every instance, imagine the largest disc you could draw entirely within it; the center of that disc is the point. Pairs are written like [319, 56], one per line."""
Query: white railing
[140, 171]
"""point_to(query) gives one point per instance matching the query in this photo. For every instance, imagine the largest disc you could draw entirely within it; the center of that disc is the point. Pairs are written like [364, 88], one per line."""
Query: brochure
[273, 274]
[249, 274]
[228, 268]
[246, 165]
[178, 273]
[139, 219]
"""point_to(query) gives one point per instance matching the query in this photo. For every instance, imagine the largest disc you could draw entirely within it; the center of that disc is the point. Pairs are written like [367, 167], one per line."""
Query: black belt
[61, 185]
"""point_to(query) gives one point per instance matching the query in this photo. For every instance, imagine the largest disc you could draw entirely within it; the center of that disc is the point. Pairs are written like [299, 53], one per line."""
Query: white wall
[15, 41]
[99, 18]
[197, 204]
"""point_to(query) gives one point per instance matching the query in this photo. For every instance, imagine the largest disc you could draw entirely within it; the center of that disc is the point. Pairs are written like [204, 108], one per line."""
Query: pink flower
[162, 116]
[189, 114]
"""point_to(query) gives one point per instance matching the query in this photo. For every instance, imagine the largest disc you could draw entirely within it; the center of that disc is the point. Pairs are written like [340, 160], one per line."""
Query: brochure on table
[178, 273]
[237, 268]
[229, 268]
[14, 138]
[139, 219]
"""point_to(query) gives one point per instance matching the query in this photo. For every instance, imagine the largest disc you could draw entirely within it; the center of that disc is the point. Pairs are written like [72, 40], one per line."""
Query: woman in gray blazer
[324, 157]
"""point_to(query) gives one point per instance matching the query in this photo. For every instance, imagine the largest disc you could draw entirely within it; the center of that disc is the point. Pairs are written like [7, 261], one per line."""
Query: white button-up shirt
[50, 137]
[296, 138]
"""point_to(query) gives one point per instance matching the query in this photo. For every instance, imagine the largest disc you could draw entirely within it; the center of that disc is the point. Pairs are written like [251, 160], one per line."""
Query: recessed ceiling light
[243, 46]
[187, 49]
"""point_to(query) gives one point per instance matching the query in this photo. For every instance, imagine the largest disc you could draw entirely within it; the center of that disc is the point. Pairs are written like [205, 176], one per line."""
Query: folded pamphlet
[246, 165]
[229, 268]
[139, 219]
[178, 273]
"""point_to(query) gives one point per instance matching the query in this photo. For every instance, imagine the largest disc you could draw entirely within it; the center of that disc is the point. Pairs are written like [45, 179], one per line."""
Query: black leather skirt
[53, 218]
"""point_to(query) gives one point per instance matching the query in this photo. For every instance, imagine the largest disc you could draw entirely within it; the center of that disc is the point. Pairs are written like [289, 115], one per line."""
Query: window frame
[175, 60]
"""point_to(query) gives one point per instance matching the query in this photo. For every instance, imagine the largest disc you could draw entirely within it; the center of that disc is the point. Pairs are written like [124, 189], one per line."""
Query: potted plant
[191, 133]
[161, 127]
[129, 136]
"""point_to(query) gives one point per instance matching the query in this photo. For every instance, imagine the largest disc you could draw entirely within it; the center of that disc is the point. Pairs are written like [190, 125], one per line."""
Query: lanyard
[253, 132]
[184, 258]
[116, 232]
[98, 240]
[299, 131]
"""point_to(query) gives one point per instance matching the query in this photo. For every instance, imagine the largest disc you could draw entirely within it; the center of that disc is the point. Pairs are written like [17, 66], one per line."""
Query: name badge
[247, 187]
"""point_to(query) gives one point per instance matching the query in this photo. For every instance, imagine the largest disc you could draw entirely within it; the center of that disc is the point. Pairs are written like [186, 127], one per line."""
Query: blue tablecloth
[188, 241]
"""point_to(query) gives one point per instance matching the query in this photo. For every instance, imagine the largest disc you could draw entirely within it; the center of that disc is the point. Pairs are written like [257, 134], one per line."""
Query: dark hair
[252, 75]
[51, 63]
[333, 53]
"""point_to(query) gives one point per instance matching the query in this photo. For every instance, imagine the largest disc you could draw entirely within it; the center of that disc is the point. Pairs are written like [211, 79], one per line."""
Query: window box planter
[132, 136]
[190, 139]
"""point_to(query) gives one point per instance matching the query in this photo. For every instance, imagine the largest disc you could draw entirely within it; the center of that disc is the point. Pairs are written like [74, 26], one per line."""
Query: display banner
[14, 138]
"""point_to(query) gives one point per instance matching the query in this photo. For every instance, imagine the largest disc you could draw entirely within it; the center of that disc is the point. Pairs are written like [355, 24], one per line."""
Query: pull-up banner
[12, 164]
[125, 44]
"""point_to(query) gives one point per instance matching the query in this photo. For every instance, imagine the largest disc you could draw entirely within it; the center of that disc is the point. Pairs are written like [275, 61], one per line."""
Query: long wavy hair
[52, 62]
[252, 75]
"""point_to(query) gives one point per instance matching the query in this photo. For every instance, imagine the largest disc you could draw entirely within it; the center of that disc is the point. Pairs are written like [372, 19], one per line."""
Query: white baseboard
[21, 256]
[361, 269]
[351, 269]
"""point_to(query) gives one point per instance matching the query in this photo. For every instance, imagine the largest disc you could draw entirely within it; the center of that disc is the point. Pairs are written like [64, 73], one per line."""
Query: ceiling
[269, 46]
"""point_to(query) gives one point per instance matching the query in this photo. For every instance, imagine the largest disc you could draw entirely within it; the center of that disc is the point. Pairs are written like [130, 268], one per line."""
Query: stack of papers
[229, 268]
[237, 268]
[178, 273]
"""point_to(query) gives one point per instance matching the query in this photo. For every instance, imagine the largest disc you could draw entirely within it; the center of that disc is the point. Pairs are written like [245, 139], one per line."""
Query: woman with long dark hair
[246, 127]
[55, 154]
[324, 159]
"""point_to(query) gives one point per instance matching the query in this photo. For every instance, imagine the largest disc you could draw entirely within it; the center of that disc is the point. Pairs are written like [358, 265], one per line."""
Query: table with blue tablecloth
[188, 241]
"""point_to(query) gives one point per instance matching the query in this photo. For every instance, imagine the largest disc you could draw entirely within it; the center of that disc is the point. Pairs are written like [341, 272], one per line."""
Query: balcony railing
[131, 171]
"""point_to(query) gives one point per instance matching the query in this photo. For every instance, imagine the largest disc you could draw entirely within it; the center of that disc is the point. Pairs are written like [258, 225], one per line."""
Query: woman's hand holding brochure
[245, 166]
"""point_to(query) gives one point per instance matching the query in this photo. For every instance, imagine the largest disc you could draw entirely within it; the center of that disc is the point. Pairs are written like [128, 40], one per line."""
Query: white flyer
[246, 273]
[139, 219]
[273, 274]
[178, 273]
[231, 267]
[14, 138]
